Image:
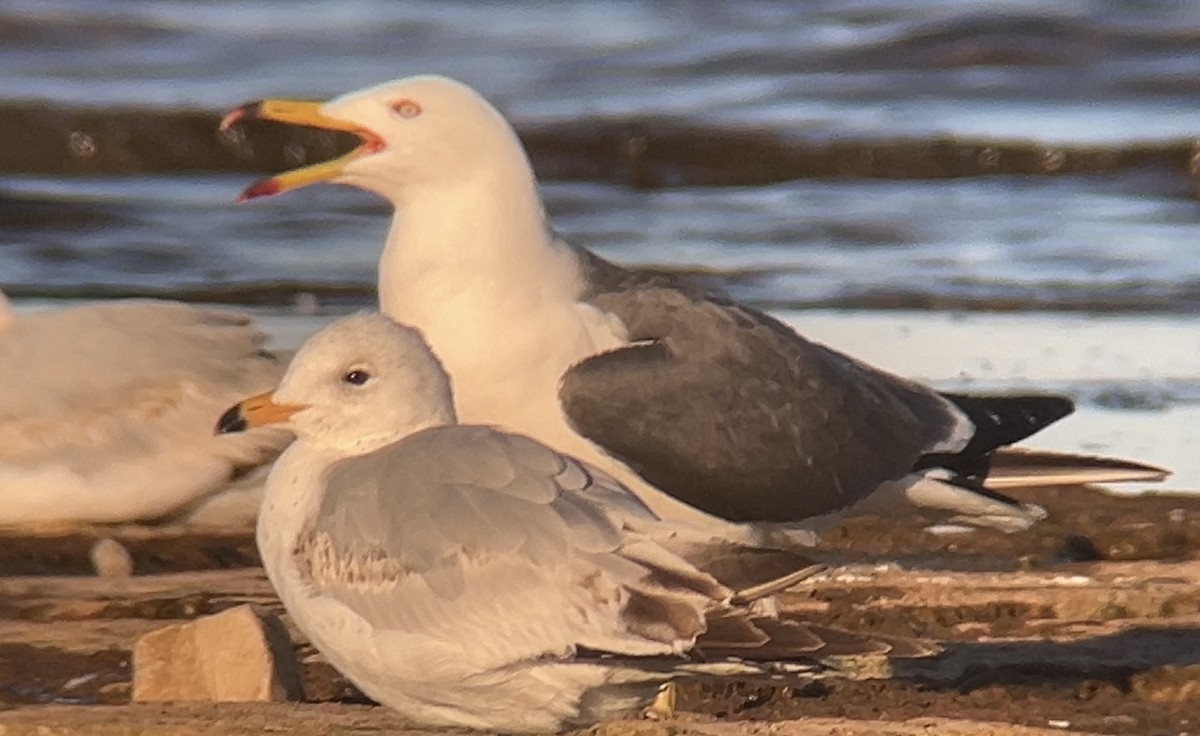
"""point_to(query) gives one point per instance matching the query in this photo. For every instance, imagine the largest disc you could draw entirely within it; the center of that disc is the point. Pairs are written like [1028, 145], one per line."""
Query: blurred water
[1051, 69]
[1083, 244]
[1109, 75]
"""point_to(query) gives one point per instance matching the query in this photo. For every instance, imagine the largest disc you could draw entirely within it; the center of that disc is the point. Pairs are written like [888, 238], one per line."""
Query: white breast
[292, 499]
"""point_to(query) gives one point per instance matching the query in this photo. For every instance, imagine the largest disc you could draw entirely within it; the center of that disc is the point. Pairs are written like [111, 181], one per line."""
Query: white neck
[477, 239]
[341, 446]
[290, 500]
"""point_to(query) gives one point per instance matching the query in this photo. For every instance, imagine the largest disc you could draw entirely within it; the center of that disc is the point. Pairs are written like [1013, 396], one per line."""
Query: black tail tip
[1005, 420]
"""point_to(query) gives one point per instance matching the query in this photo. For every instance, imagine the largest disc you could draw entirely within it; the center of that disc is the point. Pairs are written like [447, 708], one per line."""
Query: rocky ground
[1089, 623]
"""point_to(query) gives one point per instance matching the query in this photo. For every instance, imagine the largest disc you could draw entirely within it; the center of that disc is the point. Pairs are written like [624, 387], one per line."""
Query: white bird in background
[474, 578]
[106, 413]
[709, 409]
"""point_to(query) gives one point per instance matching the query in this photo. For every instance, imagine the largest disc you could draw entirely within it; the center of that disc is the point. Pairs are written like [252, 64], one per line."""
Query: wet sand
[1089, 623]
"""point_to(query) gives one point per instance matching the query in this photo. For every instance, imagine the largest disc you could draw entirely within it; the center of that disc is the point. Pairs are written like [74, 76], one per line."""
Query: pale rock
[240, 655]
[110, 559]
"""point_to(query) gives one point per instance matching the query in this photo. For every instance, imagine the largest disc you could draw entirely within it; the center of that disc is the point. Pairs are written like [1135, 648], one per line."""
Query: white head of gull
[710, 410]
[470, 577]
[364, 385]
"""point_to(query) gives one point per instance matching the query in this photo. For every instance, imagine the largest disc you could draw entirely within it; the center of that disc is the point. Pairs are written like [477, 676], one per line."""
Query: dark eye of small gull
[356, 377]
[406, 108]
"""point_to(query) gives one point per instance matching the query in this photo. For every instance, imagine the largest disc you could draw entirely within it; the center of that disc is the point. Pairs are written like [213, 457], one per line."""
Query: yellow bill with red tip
[309, 115]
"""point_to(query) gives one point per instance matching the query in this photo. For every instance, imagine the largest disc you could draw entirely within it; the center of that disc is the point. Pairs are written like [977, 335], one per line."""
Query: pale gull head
[422, 131]
[357, 385]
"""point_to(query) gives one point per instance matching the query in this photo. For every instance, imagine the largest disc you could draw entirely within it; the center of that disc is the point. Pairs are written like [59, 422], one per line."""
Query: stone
[243, 654]
[110, 559]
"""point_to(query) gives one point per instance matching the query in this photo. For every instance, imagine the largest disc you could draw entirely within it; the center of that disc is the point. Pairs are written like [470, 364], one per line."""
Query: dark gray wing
[466, 534]
[732, 412]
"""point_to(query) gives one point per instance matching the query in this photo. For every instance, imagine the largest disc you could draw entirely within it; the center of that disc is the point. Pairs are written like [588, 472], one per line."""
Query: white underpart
[509, 325]
[293, 497]
[930, 490]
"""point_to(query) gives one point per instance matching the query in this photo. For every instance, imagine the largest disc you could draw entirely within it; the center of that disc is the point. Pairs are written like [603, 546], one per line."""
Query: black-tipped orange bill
[256, 411]
[309, 115]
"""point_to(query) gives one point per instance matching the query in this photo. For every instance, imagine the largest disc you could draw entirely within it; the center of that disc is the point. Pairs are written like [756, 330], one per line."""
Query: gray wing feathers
[112, 405]
[457, 524]
[765, 424]
[467, 488]
[497, 571]
[134, 341]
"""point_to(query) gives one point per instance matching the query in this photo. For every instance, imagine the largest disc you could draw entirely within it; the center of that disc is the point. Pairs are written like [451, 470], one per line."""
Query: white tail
[1022, 467]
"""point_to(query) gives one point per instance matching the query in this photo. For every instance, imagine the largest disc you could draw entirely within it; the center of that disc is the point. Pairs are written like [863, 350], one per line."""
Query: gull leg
[663, 706]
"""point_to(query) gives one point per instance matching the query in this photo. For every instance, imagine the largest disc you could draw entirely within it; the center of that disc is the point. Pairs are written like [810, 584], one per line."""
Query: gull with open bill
[708, 409]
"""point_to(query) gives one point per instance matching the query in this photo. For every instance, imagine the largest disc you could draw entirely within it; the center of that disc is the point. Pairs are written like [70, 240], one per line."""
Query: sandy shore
[320, 720]
[1091, 623]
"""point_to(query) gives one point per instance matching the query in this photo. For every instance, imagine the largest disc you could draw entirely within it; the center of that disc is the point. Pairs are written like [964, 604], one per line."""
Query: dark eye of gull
[406, 108]
[356, 377]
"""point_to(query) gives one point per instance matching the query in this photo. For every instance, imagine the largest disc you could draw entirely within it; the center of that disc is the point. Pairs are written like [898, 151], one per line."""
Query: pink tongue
[245, 111]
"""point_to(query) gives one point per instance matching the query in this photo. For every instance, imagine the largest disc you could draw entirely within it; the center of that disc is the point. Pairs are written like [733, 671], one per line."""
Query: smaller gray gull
[105, 413]
[470, 577]
[710, 410]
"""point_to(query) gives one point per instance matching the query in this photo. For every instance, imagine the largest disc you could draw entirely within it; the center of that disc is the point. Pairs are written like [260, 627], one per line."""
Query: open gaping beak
[308, 114]
[256, 411]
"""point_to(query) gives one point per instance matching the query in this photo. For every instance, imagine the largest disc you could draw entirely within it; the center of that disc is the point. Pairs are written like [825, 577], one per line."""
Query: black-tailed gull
[470, 577]
[106, 413]
[669, 386]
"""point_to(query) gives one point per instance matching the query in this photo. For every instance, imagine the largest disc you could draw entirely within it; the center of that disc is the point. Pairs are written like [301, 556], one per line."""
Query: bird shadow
[1116, 657]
